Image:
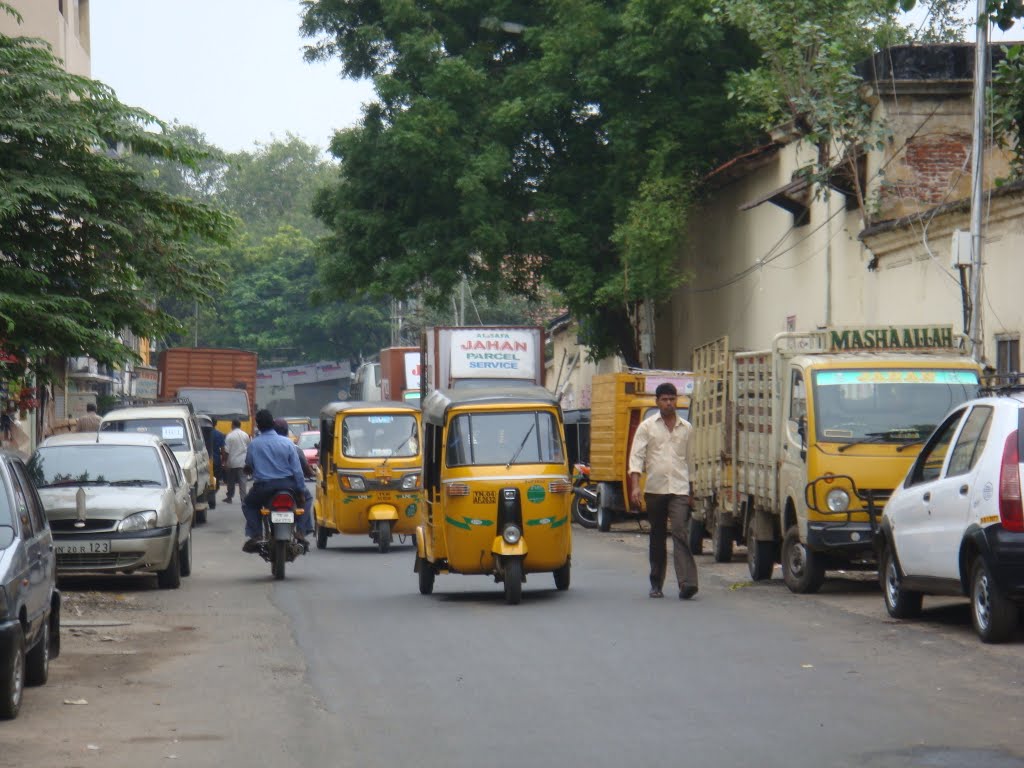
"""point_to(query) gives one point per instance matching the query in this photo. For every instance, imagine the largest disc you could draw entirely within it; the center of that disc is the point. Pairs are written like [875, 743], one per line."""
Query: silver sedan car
[117, 503]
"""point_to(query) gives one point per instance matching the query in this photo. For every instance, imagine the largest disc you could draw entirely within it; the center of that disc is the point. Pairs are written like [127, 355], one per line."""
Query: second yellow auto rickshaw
[497, 487]
[370, 467]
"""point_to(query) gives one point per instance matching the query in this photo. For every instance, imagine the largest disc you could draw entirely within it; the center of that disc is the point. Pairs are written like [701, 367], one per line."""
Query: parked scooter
[584, 505]
[279, 544]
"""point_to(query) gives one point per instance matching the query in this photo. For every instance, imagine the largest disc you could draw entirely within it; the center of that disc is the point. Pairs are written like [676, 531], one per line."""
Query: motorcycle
[584, 503]
[279, 544]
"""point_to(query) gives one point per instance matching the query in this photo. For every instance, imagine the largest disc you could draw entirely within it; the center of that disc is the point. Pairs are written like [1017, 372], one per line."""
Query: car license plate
[83, 547]
[282, 517]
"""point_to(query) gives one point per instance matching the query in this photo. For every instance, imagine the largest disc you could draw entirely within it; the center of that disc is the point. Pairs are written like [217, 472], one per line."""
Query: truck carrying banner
[487, 353]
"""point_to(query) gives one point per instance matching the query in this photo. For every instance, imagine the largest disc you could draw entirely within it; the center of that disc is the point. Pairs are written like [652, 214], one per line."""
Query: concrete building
[772, 253]
[64, 24]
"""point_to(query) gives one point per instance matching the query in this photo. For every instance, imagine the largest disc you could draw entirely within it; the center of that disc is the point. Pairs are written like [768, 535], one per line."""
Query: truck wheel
[994, 617]
[802, 570]
[760, 557]
[722, 537]
[696, 535]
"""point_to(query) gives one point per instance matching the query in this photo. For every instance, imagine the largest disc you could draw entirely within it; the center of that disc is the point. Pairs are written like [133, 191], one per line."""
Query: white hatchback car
[956, 524]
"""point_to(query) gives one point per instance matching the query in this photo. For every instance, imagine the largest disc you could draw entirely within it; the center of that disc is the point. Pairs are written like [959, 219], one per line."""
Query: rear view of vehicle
[956, 524]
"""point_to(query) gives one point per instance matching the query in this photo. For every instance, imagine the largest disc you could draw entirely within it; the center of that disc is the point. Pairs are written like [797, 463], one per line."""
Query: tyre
[760, 557]
[994, 617]
[200, 517]
[426, 574]
[513, 580]
[37, 661]
[604, 517]
[384, 537]
[900, 603]
[185, 556]
[211, 499]
[12, 677]
[584, 513]
[562, 577]
[696, 535]
[321, 537]
[280, 557]
[170, 577]
[802, 570]
[722, 537]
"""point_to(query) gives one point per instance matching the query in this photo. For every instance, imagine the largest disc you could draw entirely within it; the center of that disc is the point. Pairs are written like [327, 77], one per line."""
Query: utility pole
[977, 181]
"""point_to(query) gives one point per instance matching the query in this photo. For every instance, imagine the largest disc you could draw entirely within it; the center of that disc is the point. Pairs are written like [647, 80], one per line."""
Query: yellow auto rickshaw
[497, 487]
[370, 469]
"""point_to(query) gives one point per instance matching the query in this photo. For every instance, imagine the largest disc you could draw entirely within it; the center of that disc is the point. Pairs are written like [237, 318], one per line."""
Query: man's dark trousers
[661, 509]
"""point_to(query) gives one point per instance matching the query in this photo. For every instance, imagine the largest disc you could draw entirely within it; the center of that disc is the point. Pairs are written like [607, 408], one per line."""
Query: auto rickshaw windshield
[371, 436]
[523, 437]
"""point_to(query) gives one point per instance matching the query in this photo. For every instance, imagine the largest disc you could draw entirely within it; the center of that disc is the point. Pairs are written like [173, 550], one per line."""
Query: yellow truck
[796, 448]
[618, 403]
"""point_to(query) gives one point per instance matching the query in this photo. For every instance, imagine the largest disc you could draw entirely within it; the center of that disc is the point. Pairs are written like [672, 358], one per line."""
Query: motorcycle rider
[305, 521]
[275, 467]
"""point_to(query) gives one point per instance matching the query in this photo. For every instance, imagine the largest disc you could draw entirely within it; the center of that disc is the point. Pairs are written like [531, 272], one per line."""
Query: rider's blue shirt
[273, 457]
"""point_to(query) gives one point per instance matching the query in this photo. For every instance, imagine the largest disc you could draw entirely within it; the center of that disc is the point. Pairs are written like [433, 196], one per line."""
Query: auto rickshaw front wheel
[426, 573]
[562, 577]
[383, 536]
[513, 567]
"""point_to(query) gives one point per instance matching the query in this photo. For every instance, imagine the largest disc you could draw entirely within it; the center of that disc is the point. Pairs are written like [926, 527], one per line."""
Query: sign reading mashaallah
[489, 353]
[893, 337]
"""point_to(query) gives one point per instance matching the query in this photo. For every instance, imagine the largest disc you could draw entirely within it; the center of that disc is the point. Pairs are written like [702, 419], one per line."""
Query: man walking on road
[275, 467]
[235, 445]
[91, 421]
[661, 447]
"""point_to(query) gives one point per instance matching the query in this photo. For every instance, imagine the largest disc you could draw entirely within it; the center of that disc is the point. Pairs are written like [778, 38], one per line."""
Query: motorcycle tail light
[282, 502]
[457, 489]
[559, 486]
[1011, 510]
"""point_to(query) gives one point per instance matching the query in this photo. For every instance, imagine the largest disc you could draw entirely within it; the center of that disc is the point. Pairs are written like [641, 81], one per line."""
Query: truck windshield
[379, 436]
[890, 405]
[495, 438]
[219, 403]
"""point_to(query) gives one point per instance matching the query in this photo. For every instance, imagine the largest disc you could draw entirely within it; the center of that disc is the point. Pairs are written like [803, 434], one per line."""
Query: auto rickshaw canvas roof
[438, 402]
[329, 411]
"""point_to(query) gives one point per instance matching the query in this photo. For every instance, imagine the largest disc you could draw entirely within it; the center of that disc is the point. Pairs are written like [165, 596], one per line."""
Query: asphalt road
[346, 664]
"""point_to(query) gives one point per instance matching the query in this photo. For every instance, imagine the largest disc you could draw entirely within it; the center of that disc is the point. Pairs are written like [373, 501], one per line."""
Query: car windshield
[513, 437]
[897, 405]
[96, 464]
[309, 439]
[381, 435]
[171, 430]
[221, 403]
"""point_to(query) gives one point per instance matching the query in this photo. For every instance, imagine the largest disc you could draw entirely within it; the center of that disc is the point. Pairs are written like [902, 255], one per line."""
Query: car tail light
[457, 489]
[282, 502]
[1011, 511]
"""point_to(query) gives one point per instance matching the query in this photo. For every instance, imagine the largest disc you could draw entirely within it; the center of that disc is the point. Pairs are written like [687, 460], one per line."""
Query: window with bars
[1007, 353]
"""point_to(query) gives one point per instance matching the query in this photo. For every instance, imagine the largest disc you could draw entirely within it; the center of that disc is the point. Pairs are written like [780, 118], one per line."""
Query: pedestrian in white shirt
[661, 448]
[235, 445]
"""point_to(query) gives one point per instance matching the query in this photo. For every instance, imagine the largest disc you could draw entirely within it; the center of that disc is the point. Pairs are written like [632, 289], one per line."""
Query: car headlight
[140, 521]
[352, 482]
[838, 500]
[512, 534]
[411, 482]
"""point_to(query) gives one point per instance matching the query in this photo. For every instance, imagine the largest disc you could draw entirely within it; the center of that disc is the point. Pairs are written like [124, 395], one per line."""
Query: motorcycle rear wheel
[584, 513]
[278, 559]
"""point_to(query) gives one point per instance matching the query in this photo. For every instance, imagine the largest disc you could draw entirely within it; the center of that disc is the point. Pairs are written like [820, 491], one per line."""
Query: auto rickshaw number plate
[282, 517]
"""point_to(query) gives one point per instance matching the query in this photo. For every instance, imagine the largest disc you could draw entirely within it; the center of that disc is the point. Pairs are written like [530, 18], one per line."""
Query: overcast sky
[232, 69]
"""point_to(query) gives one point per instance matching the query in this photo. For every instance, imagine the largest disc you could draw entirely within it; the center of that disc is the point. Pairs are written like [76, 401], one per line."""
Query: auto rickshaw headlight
[512, 534]
[411, 482]
[352, 482]
[838, 500]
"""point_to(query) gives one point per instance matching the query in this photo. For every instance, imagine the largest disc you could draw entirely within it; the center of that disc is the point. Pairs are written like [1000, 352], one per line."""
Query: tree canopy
[85, 244]
[521, 143]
